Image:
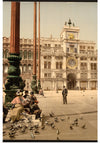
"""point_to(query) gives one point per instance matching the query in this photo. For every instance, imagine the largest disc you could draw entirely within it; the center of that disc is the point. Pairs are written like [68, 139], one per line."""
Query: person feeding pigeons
[26, 94]
[33, 105]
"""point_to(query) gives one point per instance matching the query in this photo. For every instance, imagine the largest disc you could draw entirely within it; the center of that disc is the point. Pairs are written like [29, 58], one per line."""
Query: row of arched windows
[26, 68]
[24, 54]
[23, 68]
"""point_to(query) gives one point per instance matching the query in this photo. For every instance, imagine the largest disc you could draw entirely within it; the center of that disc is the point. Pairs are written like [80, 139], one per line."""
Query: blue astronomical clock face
[71, 62]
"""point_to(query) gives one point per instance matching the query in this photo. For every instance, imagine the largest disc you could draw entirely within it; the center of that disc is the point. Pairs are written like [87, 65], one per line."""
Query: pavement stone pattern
[82, 107]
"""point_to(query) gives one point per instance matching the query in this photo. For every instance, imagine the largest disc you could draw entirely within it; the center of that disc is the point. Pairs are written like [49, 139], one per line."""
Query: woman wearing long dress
[18, 103]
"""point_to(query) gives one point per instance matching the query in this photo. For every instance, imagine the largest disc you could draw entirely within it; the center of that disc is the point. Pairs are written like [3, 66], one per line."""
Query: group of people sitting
[27, 103]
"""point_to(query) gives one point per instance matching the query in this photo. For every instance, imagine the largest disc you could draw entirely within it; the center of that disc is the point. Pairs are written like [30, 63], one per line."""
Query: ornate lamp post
[34, 81]
[14, 81]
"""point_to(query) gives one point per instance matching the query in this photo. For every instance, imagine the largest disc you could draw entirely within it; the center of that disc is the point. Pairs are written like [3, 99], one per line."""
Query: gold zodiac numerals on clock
[71, 62]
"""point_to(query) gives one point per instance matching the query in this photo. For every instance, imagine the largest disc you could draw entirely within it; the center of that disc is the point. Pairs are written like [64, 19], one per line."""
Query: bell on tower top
[69, 22]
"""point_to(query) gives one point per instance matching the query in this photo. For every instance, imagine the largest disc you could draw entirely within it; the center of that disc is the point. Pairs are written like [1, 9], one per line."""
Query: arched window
[6, 53]
[6, 68]
[29, 67]
[49, 65]
[25, 54]
[60, 65]
[45, 64]
[21, 53]
[32, 55]
[24, 68]
[20, 68]
[29, 54]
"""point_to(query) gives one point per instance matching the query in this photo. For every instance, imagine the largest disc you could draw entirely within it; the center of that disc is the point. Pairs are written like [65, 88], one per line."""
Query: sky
[52, 18]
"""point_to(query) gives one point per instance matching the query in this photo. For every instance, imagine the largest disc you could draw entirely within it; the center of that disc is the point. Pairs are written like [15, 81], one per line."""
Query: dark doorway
[71, 81]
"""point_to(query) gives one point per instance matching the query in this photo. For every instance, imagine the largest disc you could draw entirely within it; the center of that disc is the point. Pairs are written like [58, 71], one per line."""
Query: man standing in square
[64, 93]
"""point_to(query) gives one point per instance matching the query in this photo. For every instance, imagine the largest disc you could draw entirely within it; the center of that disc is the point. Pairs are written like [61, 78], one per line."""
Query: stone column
[88, 85]
[34, 81]
[39, 85]
[78, 84]
[14, 81]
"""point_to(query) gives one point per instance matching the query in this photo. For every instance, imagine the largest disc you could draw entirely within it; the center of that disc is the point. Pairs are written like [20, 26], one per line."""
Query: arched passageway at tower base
[71, 81]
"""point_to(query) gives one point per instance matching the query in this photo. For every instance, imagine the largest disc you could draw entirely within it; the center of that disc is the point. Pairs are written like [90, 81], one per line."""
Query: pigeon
[4, 133]
[36, 132]
[20, 126]
[51, 114]
[51, 123]
[84, 126]
[71, 127]
[32, 135]
[12, 125]
[12, 134]
[76, 123]
[30, 128]
[58, 138]
[36, 126]
[12, 129]
[73, 124]
[23, 129]
[43, 127]
[76, 120]
[58, 132]
[56, 119]
[22, 119]
[46, 122]
[68, 118]
[53, 126]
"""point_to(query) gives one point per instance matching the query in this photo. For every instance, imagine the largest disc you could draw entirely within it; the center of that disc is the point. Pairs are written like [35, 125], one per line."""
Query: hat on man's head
[31, 93]
[26, 91]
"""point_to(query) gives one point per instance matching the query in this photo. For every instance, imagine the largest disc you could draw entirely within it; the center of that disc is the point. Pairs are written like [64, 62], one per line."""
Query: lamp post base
[39, 85]
[34, 84]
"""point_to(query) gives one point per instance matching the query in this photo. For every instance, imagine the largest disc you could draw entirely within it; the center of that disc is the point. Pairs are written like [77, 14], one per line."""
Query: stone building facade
[64, 61]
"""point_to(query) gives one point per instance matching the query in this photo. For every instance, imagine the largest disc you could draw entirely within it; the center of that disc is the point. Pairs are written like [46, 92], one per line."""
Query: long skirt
[15, 112]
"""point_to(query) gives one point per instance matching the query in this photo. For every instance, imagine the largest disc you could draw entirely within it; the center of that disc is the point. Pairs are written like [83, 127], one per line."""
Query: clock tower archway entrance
[71, 81]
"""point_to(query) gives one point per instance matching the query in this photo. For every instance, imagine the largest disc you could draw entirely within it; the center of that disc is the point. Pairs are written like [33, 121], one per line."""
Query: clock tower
[70, 43]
